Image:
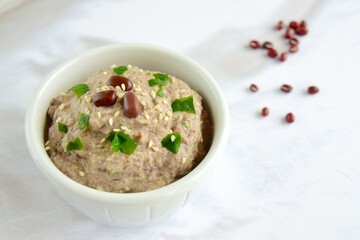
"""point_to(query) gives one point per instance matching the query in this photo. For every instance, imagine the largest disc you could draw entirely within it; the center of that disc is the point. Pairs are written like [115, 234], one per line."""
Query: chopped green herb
[80, 89]
[83, 121]
[185, 104]
[161, 80]
[120, 70]
[74, 145]
[62, 127]
[172, 142]
[121, 142]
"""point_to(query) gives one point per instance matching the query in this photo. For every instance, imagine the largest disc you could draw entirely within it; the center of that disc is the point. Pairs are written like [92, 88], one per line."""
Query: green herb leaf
[120, 70]
[62, 127]
[172, 142]
[121, 142]
[80, 89]
[74, 145]
[83, 121]
[185, 104]
[161, 80]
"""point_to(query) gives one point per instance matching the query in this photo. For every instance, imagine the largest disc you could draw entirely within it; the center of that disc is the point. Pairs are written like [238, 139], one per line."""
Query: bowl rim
[43, 161]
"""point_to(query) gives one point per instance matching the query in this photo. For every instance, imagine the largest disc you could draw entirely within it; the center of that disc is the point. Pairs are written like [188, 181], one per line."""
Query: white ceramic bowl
[125, 209]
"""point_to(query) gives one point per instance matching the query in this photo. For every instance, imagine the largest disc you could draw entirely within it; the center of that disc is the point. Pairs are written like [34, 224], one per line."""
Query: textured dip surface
[151, 165]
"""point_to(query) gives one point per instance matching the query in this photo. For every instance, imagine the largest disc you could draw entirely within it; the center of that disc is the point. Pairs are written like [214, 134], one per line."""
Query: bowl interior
[80, 67]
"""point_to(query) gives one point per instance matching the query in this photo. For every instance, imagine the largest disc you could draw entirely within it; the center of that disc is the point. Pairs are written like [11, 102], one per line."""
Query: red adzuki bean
[301, 31]
[253, 88]
[293, 41]
[290, 118]
[254, 44]
[265, 111]
[293, 48]
[286, 88]
[272, 53]
[280, 25]
[117, 80]
[294, 25]
[288, 33]
[105, 98]
[313, 90]
[303, 24]
[267, 45]
[130, 104]
[283, 57]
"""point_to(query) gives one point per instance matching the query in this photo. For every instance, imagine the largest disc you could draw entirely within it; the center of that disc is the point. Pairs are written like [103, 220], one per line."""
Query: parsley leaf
[161, 80]
[172, 142]
[80, 89]
[74, 145]
[83, 121]
[62, 127]
[185, 104]
[120, 70]
[121, 142]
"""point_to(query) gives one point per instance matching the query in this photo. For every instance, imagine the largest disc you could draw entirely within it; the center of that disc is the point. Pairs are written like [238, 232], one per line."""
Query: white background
[275, 181]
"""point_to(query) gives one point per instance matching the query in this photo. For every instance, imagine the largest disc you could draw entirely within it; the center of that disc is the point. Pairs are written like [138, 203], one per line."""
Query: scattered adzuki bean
[105, 98]
[283, 57]
[313, 90]
[272, 53]
[293, 41]
[267, 45]
[290, 118]
[254, 88]
[280, 25]
[116, 80]
[293, 48]
[265, 111]
[130, 105]
[254, 44]
[286, 88]
[294, 25]
[301, 31]
[288, 33]
[303, 24]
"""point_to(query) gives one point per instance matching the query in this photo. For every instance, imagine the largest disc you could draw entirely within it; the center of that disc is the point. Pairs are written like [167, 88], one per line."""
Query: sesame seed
[183, 160]
[153, 95]
[81, 173]
[169, 113]
[171, 131]
[123, 87]
[105, 88]
[87, 112]
[62, 93]
[116, 130]
[172, 80]
[119, 94]
[134, 86]
[138, 89]
[59, 119]
[124, 128]
[140, 70]
[164, 101]
[98, 90]
[117, 113]
[166, 118]
[161, 116]
[146, 116]
[61, 106]
[113, 66]
[47, 142]
[99, 114]
[111, 121]
[155, 149]
[129, 66]
[144, 94]
[172, 138]
[88, 99]
[156, 121]
[127, 131]
[102, 140]
[158, 107]
[117, 87]
[143, 103]
[151, 142]
[105, 72]
[47, 148]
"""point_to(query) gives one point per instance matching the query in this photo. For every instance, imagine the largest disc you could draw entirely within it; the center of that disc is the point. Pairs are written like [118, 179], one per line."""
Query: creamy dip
[131, 137]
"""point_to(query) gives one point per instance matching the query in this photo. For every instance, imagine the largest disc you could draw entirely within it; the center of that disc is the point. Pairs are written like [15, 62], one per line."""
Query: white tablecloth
[275, 181]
